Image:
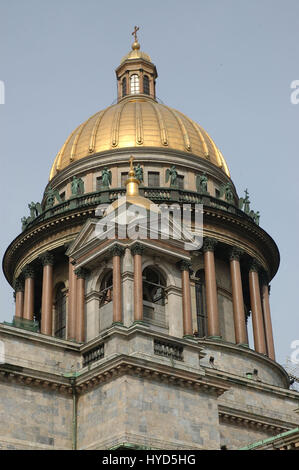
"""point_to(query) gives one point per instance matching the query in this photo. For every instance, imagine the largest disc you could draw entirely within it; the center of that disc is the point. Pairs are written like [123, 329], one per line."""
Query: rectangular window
[99, 183]
[153, 179]
[124, 177]
[180, 181]
[62, 196]
[217, 193]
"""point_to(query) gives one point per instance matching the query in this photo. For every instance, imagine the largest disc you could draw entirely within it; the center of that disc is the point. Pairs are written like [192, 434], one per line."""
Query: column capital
[185, 265]
[117, 250]
[235, 254]
[47, 258]
[28, 272]
[81, 273]
[137, 249]
[209, 244]
[254, 266]
[18, 285]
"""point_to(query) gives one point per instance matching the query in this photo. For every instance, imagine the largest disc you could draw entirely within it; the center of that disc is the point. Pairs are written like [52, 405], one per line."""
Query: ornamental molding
[47, 258]
[117, 250]
[235, 254]
[261, 422]
[28, 272]
[82, 273]
[209, 244]
[19, 285]
[123, 365]
[137, 249]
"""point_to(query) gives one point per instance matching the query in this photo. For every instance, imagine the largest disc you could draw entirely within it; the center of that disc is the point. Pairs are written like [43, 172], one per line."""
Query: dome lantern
[136, 74]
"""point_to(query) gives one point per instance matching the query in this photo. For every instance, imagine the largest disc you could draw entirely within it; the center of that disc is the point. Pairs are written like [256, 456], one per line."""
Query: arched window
[124, 86]
[153, 286]
[200, 296]
[106, 289]
[60, 311]
[146, 89]
[134, 82]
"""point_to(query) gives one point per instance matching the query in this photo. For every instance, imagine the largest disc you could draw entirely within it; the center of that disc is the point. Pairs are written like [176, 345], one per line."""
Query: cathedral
[130, 327]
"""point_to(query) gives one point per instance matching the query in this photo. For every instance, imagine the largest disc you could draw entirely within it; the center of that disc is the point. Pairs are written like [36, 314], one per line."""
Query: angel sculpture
[202, 183]
[173, 175]
[77, 186]
[106, 177]
[139, 173]
[35, 209]
[50, 196]
[227, 191]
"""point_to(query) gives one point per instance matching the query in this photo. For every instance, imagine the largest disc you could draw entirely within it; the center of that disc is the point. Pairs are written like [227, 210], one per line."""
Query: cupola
[136, 74]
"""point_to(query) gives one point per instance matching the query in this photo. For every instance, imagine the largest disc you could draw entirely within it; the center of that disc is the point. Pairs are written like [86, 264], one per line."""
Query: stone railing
[93, 355]
[167, 349]
[158, 195]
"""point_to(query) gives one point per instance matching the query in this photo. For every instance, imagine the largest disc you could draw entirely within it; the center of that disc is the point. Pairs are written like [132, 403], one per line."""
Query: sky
[227, 64]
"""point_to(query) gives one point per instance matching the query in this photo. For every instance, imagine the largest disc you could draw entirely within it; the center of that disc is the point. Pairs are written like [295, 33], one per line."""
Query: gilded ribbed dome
[137, 122]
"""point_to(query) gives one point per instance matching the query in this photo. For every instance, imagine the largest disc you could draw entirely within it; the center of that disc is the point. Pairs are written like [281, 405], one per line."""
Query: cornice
[248, 419]
[118, 157]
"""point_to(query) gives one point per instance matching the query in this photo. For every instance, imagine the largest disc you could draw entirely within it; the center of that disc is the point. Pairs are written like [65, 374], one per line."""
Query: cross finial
[136, 28]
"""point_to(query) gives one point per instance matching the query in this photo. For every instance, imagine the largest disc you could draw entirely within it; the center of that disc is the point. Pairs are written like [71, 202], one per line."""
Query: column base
[117, 323]
[189, 337]
[139, 322]
[25, 324]
[215, 337]
[243, 345]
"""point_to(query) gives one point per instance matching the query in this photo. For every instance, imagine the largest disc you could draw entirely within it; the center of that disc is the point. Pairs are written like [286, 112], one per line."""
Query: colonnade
[258, 288]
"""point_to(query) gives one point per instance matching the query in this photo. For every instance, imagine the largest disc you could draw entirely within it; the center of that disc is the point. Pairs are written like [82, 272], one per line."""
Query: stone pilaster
[268, 321]
[117, 251]
[28, 273]
[81, 274]
[185, 267]
[256, 309]
[137, 250]
[238, 300]
[47, 260]
[19, 297]
[211, 288]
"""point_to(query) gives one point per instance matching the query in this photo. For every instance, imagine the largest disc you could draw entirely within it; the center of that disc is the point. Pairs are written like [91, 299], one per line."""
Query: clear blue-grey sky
[227, 64]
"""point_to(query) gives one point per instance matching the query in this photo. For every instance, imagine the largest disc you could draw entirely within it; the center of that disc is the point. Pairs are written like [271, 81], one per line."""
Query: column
[211, 288]
[186, 297]
[72, 302]
[28, 274]
[238, 301]
[19, 297]
[137, 251]
[256, 309]
[117, 251]
[47, 260]
[81, 274]
[268, 322]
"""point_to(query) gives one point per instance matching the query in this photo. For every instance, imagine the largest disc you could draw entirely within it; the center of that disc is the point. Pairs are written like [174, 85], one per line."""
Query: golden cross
[136, 28]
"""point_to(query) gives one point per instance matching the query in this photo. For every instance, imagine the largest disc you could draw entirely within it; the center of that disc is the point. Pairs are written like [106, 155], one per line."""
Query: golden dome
[136, 122]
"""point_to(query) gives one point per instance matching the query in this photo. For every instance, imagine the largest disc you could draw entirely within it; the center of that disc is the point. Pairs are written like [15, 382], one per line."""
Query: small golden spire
[132, 183]
[135, 44]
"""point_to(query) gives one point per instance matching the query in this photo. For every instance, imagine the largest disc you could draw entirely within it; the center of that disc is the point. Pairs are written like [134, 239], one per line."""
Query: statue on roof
[172, 174]
[106, 178]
